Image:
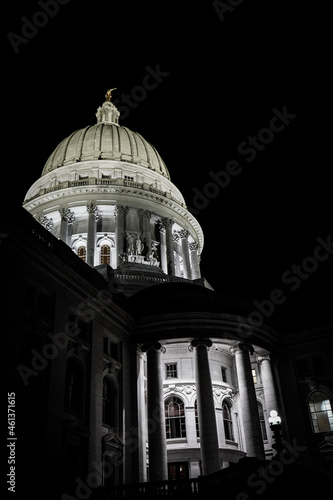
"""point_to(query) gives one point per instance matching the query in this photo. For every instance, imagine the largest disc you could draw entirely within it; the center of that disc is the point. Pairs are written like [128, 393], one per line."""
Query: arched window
[105, 254]
[109, 403]
[73, 386]
[321, 412]
[174, 418]
[82, 252]
[227, 421]
[262, 421]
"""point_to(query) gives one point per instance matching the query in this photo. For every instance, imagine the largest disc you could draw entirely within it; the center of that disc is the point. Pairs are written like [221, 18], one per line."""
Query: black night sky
[220, 75]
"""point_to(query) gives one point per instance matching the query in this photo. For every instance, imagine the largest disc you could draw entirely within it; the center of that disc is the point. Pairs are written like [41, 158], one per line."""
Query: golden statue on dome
[108, 94]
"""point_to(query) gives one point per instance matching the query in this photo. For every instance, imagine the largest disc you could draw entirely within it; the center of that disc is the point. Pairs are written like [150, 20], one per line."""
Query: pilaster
[91, 237]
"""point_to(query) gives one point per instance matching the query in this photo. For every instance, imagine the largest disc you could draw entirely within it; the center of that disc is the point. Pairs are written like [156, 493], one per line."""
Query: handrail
[94, 181]
[179, 488]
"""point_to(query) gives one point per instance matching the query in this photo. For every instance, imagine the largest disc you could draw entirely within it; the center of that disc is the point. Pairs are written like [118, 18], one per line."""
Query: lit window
[227, 421]
[224, 374]
[174, 418]
[262, 421]
[81, 252]
[171, 370]
[105, 254]
[254, 375]
[321, 412]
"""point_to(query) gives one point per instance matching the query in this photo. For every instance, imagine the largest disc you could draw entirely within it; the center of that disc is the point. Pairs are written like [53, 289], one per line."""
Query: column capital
[175, 237]
[203, 341]
[46, 222]
[260, 359]
[120, 209]
[161, 226]
[243, 346]
[93, 209]
[156, 346]
[145, 214]
[167, 222]
[183, 233]
[193, 246]
[67, 215]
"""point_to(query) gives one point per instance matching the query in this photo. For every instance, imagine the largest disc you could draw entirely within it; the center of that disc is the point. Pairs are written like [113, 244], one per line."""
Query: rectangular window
[106, 345]
[84, 329]
[39, 300]
[128, 178]
[171, 370]
[254, 375]
[224, 374]
[115, 351]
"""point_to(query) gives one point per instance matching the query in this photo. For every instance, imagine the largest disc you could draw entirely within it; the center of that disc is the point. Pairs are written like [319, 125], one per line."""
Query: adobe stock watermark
[267, 475]
[30, 27]
[104, 469]
[59, 341]
[223, 7]
[248, 148]
[152, 79]
[293, 278]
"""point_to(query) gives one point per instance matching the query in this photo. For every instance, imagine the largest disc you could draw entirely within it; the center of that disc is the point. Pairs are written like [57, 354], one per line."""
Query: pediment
[112, 441]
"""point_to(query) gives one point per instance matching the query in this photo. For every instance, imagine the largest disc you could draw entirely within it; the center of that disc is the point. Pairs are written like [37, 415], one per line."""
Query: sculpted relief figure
[130, 244]
[138, 245]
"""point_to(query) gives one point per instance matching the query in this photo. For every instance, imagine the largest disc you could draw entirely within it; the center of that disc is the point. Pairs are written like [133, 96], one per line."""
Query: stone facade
[127, 366]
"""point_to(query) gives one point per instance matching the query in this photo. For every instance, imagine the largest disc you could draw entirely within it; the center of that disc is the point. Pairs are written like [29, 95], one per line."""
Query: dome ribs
[97, 150]
[106, 141]
[133, 145]
[79, 144]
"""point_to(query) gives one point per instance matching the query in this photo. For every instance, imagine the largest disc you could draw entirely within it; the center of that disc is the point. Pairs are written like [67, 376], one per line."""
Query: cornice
[73, 281]
[193, 324]
[120, 192]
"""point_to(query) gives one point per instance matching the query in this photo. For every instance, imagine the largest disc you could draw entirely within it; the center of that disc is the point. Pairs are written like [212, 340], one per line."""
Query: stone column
[195, 260]
[158, 465]
[186, 254]
[91, 237]
[163, 250]
[176, 239]
[209, 443]
[67, 219]
[267, 379]
[120, 212]
[168, 223]
[248, 402]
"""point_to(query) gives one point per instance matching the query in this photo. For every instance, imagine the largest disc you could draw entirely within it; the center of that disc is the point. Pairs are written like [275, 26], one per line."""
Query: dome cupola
[107, 193]
[106, 140]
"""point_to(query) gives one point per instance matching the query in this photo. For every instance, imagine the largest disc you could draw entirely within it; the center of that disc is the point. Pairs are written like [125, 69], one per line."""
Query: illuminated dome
[107, 193]
[106, 141]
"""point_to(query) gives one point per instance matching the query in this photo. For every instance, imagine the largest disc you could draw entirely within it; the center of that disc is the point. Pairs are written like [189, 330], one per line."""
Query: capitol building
[130, 369]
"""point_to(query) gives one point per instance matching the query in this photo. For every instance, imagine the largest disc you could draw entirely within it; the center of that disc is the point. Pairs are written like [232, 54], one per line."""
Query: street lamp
[274, 418]
[275, 425]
